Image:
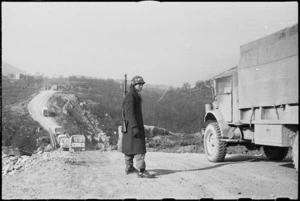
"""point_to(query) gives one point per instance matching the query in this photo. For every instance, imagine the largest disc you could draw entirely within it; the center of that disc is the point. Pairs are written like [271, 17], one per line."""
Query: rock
[45, 156]
[10, 168]
[12, 172]
[19, 160]
[5, 169]
[14, 158]
[48, 148]
[12, 162]
[18, 167]
[4, 155]
[157, 138]
[25, 158]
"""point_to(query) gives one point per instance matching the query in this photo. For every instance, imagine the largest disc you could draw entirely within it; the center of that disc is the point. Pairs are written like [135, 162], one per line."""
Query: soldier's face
[138, 87]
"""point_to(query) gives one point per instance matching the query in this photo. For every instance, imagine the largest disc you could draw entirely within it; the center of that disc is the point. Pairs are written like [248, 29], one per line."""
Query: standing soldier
[133, 141]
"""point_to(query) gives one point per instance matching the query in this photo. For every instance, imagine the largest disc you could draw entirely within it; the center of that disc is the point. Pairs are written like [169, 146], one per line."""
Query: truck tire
[214, 148]
[295, 152]
[275, 153]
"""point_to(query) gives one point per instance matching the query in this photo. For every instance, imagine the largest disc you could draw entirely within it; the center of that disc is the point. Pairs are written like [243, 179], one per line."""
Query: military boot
[145, 174]
[130, 169]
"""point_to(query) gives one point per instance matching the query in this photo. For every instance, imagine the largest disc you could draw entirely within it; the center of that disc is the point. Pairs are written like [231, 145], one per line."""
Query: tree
[186, 86]
[200, 84]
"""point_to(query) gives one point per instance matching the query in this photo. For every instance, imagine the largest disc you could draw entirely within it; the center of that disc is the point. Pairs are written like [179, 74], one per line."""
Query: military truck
[63, 141]
[56, 130]
[256, 103]
[77, 143]
[54, 87]
[45, 112]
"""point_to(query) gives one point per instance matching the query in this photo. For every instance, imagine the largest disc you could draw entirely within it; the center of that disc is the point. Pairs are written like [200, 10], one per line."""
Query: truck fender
[217, 116]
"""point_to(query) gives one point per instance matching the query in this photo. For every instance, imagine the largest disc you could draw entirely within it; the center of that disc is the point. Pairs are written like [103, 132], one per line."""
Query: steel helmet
[137, 80]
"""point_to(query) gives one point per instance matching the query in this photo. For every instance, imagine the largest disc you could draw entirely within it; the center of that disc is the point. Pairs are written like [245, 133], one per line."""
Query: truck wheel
[275, 153]
[214, 148]
[295, 152]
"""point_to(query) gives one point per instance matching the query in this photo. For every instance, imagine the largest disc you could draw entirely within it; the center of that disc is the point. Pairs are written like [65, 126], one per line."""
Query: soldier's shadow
[231, 160]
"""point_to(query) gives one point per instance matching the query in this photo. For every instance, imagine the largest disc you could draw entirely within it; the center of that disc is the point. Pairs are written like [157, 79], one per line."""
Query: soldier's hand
[136, 132]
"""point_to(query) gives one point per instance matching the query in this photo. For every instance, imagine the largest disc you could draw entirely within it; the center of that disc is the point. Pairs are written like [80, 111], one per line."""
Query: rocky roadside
[17, 163]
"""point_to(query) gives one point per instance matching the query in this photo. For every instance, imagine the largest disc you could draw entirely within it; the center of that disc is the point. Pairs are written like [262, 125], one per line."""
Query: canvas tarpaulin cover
[268, 70]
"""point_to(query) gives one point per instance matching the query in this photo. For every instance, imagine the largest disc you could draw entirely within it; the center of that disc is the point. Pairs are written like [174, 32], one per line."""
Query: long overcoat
[132, 105]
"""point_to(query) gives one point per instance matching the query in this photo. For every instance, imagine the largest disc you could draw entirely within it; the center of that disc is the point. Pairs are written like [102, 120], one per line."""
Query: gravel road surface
[101, 175]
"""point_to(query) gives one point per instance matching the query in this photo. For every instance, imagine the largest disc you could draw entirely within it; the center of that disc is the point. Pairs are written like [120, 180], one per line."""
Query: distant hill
[147, 85]
[10, 69]
[156, 86]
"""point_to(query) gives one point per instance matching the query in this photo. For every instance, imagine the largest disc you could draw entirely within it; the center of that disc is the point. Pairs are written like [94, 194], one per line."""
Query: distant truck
[54, 87]
[57, 130]
[256, 103]
[45, 112]
[64, 142]
[47, 87]
[77, 142]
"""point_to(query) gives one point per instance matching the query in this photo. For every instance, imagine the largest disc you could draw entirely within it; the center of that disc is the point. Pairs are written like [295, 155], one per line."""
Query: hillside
[10, 69]
[81, 116]
[92, 107]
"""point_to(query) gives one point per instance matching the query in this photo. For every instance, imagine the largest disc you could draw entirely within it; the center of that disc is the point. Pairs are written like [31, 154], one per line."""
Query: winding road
[35, 110]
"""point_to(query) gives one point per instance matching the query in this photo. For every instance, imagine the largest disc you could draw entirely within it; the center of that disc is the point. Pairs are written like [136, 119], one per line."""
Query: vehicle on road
[43, 140]
[47, 87]
[45, 112]
[77, 142]
[57, 130]
[54, 87]
[64, 142]
[256, 103]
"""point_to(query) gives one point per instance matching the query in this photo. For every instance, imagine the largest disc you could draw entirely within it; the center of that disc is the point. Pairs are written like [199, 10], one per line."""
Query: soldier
[133, 141]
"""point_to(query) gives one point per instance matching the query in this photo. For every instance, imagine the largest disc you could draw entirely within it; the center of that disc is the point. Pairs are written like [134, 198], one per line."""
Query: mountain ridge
[10, 69]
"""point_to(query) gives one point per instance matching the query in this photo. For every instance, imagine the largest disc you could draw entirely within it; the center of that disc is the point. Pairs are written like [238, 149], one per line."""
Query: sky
[167, 43]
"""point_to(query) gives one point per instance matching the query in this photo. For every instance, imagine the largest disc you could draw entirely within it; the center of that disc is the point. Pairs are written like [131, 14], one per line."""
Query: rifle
[124, 123]
[125, 85]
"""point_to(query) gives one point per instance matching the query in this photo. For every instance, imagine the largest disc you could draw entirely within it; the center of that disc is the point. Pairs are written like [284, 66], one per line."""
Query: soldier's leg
[141, 166]
[129, 160]
[129, 164]
[140, 162]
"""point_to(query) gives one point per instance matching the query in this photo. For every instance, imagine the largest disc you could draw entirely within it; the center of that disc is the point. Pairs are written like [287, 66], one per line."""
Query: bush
[20, 131]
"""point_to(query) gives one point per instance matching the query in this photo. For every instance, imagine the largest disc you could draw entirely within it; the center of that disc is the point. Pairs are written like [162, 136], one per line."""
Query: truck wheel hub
[211, 143]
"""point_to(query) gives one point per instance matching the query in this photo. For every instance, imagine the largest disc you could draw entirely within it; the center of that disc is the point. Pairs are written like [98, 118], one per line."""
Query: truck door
[224, 97]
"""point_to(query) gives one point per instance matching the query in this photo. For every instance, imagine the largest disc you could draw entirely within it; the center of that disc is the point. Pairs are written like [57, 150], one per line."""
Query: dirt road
[100, 175]
[35, 106]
